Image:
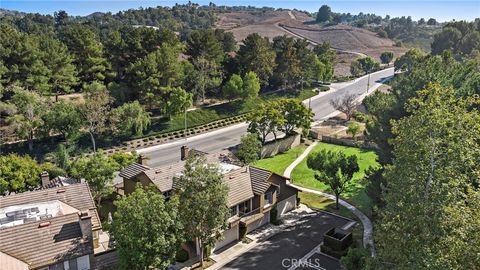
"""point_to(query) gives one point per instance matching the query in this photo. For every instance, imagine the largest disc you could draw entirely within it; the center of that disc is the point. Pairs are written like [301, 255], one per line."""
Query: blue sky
[441, 10]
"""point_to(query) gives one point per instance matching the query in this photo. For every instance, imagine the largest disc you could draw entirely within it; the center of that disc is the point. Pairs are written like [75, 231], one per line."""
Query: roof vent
[231, 177]
[158, 171]
[61, 190]
[44, 224]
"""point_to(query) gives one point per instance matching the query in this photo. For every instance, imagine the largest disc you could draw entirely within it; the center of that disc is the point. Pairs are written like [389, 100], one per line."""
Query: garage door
[259, 223]
[229, 236]
[286, 205]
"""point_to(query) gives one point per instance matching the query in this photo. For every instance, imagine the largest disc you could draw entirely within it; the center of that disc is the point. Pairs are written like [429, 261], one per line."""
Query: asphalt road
[230, 136]
[285, 249]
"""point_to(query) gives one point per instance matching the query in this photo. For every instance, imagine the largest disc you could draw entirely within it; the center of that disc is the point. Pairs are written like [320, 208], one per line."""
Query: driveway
[288, 247]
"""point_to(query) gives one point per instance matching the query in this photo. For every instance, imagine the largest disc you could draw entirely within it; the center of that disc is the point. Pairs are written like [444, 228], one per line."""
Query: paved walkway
[367, 224]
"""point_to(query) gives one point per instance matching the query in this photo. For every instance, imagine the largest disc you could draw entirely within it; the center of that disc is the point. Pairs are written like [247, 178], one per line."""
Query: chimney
[85, 224]
[142, 159]
[45, 178]
[184, 152]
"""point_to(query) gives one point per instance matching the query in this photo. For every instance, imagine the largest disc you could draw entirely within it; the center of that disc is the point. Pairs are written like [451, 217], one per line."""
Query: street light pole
[368, 82]
[185, 116]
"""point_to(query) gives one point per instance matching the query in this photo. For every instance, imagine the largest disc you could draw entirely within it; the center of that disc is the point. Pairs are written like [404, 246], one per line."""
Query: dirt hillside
[351, 42]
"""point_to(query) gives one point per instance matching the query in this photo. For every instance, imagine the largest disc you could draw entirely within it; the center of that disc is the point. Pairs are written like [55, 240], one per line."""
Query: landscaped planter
[336, 242]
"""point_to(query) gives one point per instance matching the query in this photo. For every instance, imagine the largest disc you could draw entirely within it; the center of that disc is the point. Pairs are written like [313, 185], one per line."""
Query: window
[268, 198]
[245, 207]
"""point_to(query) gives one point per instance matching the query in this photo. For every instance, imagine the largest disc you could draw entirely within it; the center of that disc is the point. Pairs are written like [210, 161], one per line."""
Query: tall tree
[63, 118]
[30, 108]
[432, 187]
[98, 171]
[204, 44]
[18, 173]
[203, 196]
[95, 110]
[178, 102]
[257, 55]
[85, 45]
[61, 71]
[287, 70]
[157, 234]
[334, 169]
[324, 14]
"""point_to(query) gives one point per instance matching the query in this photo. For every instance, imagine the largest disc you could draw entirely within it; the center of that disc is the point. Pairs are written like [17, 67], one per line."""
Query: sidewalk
[261, 234]
[367, 224]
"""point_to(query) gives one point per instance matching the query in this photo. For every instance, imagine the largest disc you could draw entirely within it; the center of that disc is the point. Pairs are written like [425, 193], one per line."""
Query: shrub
[243, 232]
[355, 259]
[360, 117]
[182, 256]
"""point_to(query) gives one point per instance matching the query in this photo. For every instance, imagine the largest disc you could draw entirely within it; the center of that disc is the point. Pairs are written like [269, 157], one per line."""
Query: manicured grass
[280, 162]
[303, 176]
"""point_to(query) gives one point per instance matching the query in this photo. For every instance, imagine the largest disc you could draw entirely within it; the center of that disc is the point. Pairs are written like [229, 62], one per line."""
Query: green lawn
[303, 176]
[280, 162]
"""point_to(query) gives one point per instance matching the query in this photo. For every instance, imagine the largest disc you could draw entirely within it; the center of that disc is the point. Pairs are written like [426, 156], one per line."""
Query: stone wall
[279, 146]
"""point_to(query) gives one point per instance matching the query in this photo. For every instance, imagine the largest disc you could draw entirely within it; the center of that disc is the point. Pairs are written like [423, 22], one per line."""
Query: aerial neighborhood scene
[239, 135]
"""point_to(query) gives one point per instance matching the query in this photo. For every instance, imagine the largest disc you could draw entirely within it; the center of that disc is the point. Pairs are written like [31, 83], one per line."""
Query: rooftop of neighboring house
[243, 182]
[47, 203]
[43, 227]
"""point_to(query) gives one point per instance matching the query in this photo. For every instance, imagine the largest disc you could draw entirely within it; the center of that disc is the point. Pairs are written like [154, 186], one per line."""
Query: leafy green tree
[250, 148]
[28, 121]
[368, 64]
[353, 129]
[203, 196]
[179, 101]
[130, 119]
[204, 44]
[251, 85]
[18, 173]
[265, 120]
[324, 14]
[98, 170]
[157, 232]
[208, 76]
[432, 21]
[257, 55]
[95, 110]
[386, 57]
[335, 169]
[406, 61]
[124, 159]
[63, 118]
[234, 87]
[433, 180]
[447, 39]
[88, 51]
[296, 115]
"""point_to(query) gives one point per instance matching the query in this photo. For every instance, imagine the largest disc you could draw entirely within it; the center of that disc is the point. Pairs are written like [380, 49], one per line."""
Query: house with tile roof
[54, 228]
[252, 192]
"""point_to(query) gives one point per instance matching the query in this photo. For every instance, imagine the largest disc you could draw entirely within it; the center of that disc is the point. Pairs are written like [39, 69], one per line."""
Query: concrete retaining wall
[279, 146]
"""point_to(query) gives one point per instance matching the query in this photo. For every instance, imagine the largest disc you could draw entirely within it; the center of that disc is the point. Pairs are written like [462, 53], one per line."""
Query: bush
[182, 255]
[242, 232]
[355, 259]
[360, 117]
